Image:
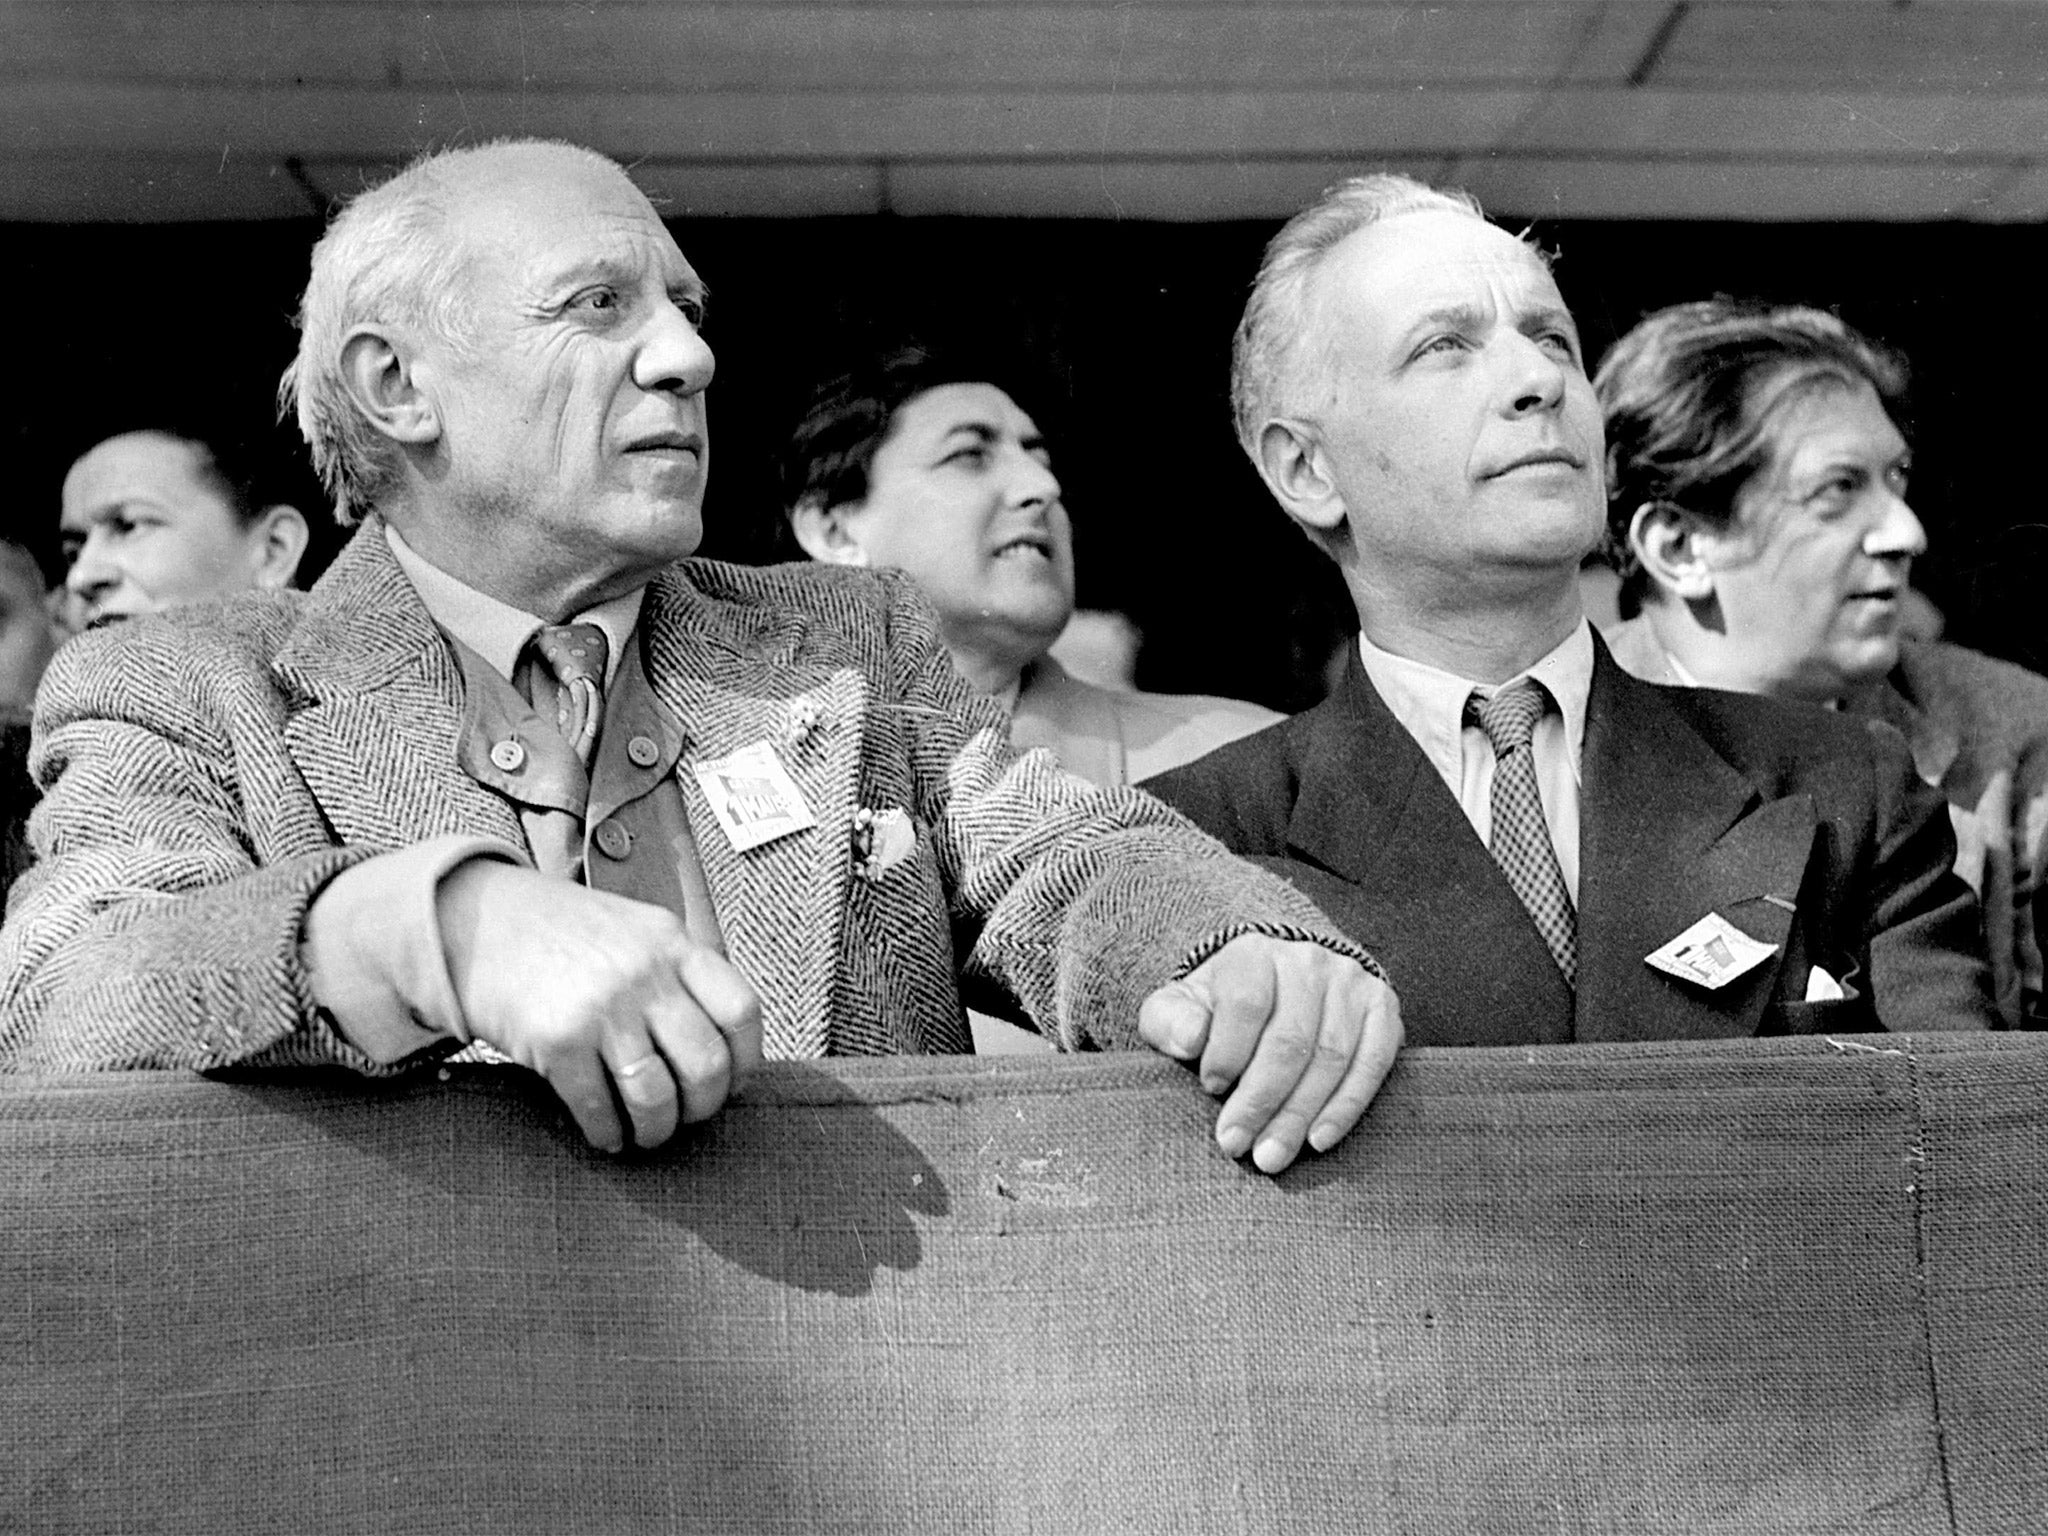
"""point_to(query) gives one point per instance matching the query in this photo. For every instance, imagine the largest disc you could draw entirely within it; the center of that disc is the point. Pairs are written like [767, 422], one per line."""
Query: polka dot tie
[573, 656]
[1520, 843]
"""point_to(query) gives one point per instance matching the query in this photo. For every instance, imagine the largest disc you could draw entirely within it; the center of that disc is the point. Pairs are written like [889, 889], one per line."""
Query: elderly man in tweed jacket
[722, 810]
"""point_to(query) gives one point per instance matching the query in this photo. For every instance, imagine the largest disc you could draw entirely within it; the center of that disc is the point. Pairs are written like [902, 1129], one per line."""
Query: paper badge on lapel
[1711, 953]
[753, 796]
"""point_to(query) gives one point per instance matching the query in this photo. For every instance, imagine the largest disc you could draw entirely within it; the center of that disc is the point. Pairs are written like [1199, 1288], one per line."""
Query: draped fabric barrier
[1756, 1286]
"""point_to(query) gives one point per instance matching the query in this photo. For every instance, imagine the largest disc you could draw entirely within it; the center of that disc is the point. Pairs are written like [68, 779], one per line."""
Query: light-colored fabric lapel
[378, 709]
[734, 677]
[1637, 651]
[1075, 722]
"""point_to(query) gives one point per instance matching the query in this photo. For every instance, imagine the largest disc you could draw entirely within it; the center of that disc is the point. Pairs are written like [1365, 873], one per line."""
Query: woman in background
[1757, 515]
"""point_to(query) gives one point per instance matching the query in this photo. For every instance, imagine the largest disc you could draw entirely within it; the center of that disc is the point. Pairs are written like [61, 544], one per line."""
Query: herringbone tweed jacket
[206, 773]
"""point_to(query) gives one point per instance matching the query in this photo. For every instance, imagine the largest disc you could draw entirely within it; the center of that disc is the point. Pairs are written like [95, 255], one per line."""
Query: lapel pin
[881, 841]
[803, 720]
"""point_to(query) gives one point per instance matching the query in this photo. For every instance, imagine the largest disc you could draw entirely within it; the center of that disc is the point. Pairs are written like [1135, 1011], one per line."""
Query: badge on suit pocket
[1711, 953]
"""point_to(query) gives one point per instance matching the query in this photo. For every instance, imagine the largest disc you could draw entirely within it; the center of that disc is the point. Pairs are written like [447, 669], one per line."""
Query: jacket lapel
[735, 677]
[1430, 902]
[1670, 831]
[378, 712]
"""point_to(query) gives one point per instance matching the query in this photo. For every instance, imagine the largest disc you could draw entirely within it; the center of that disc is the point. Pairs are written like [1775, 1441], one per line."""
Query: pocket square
[1823, 988]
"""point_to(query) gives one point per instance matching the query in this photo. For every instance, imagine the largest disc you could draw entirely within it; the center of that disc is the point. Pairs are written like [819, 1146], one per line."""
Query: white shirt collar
[1430, 702]
[495, 630]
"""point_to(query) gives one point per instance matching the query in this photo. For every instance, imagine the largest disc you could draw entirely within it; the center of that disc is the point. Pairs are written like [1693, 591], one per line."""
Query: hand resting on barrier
[1305, 1035]
[598, 994]
[604, 996]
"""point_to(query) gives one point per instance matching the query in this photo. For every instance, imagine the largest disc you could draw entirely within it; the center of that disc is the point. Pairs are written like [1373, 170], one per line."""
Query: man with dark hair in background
[154, 519]
[933, 463]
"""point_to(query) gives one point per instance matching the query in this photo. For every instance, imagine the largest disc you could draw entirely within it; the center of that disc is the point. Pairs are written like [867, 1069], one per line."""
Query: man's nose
[1897, 534]
[674, 356]
[1536, 375]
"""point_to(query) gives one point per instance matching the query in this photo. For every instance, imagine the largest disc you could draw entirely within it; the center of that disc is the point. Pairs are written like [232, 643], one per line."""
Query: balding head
[400, 254]
[1265, 361]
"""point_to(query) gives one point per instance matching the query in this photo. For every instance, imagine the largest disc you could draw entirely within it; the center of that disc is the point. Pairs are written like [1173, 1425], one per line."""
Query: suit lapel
[374, 680]
[1670, 831]
[1431, 903]
[733, 678]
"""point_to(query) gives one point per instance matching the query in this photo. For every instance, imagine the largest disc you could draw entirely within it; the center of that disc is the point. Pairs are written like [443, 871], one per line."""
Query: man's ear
[1296, 471]
[825, 532]
[1666, 540]
[380, 375]
[279, 536]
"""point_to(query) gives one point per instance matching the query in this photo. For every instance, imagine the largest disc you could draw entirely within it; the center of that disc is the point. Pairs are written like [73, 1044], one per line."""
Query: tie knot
[574, 652]
[1509, 717]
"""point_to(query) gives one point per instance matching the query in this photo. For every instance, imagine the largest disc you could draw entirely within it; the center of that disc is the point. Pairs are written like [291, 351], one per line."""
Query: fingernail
[1271, 1156]
[1214, 1083]
[1323, 1137]
[1233, 1140]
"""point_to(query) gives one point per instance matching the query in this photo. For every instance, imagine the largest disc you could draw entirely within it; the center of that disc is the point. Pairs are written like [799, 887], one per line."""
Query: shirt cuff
[373, 948]
[1207, 949]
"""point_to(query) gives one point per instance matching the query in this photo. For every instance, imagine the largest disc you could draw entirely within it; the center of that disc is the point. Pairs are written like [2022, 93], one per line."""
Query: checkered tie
[1521, 838]
[570, 663]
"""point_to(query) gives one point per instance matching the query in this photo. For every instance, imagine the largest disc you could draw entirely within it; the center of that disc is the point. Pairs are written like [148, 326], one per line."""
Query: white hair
[1262, 353]
[392, 256]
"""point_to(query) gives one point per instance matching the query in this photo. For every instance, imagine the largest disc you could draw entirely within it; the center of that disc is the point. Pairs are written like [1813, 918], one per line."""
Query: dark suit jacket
[1799, 827]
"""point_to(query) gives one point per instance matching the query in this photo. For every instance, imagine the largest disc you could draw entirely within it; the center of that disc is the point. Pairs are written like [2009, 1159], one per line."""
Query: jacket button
[642, 752]
[508, 755]
[613, 840]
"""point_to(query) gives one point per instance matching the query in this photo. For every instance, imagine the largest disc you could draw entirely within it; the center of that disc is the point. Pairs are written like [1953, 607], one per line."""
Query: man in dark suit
[1537, 846]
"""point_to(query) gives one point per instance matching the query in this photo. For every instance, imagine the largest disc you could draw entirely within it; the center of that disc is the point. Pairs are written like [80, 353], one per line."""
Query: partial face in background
[962, 497]
[574, 418]
[146, 528]
[1811, 577]
[1445, 379]
[27, 637]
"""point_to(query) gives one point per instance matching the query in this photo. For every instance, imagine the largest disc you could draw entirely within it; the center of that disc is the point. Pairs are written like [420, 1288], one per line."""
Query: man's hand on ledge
[599, 995]
[1306, 1035]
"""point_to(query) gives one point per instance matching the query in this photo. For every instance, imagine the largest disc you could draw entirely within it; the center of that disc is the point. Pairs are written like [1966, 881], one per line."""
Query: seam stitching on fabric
[1916, 1165]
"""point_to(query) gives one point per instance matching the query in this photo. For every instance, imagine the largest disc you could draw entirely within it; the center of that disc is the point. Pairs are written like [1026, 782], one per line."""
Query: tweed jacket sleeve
[1077, 899]
[150, 933]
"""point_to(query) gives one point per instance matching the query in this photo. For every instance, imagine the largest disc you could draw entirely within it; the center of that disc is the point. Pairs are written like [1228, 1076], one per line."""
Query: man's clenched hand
[599, 994]
[1305, 1035]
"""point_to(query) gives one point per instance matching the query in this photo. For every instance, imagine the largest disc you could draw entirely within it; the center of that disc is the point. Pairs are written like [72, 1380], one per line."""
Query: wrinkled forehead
[532, 213]
[136, 466]
[1396, 271]
[1816, 415]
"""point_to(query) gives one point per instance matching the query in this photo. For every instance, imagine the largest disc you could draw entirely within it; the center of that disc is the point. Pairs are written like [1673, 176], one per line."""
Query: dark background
[1132, 323]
